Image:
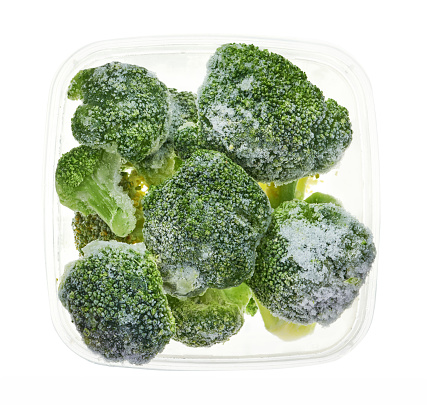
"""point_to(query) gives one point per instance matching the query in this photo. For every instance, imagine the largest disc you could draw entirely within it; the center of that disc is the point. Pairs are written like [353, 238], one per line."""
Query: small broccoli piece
[312, 262]
[115, 298]
[284, 330]
[318, 198]
[252, 307]
[91, 227]
[211, 318]
[125, 108]
[264, 114]
[204, 224]
[159, 166]
[183, 108]
[87, 181]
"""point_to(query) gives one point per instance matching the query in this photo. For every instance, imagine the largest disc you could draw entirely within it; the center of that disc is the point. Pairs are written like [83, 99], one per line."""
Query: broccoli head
[262, 112]
[115, 298]
[125, 108]
[312, 262]
[87, 181]
[204, 224]
[211, 318]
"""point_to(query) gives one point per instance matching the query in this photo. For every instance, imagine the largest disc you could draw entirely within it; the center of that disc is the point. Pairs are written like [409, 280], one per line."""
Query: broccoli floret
[125, 108]
[159, 166]
[252, 307]
[183, 109]
[312, 262]
[91, 227]
[115, 298]
[262, 112]
[211, 318]
[204, 224]
[318, 198]
[87, 181]
[284, 330]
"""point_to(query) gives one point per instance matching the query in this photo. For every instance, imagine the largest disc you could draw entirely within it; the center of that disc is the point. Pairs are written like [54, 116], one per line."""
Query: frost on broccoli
[211, 318]
[204, 224]
[183, 109]
[87, 228]
[125, 108]
[115, 298]
[312, 262]
[262, 112]
[87, 181]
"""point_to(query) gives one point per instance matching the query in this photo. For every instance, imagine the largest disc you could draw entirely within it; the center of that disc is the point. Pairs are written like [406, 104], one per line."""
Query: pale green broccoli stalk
[115, 298]
[87, 181]
[91, 227]
[312, 262]
[204, 224]
[284, 330]
[263, 113]
[125, 108]
[318, 198]
[211, 318]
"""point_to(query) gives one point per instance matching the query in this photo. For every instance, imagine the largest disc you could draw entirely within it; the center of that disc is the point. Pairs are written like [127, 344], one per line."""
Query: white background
[388, 41]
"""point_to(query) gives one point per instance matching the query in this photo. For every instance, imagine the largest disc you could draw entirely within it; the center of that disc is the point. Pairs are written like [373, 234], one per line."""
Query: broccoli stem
[286, 192]
[102, 202]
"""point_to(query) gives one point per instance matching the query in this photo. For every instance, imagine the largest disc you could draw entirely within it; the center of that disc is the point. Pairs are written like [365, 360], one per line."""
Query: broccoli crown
[115, 298]
[184, 109]
[262, 112]
[211, 318]
[312, 262]
[87, 180]
[204, 224]
[125, 107]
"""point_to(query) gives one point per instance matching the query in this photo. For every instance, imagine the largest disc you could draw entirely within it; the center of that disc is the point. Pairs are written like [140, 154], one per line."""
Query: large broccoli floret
[87, 181]
[204, 224]
[261, 111]
[312, 262]
[125, 108]
[211, 318]
[115, 298]
[91, 227]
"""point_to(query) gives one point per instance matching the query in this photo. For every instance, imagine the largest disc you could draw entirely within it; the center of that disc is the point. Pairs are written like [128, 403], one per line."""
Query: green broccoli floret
[183, 109]
[312, 262]
[204, 224]
[211, 318]
[262, 112]
[115, 298]
[125, 108]
[87, 181]
[252, 307]
[91, 227]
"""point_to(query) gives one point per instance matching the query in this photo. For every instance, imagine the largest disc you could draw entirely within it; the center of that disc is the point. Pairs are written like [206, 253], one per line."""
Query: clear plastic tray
[180, 62]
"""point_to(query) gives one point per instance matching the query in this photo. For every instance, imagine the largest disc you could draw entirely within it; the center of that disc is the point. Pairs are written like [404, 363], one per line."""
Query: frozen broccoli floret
[125, 108]
[204, 224]
[262, 112]
[252, 307]
[87, 181]
[312, 262]
[183, 109]
[115, 298]
[91, 227]
[159, 166]
[211, 318]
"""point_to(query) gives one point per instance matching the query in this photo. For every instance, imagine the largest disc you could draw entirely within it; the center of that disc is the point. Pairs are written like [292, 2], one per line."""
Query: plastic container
[180, 62]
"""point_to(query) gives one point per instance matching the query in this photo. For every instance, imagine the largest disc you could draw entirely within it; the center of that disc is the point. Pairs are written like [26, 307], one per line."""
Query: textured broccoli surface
[87, 181]
[125, 108]
[115, 298]
[261, 111]
[312, 262]
[211, 318]
[91, 227]
[204, 224]
[183, 108]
